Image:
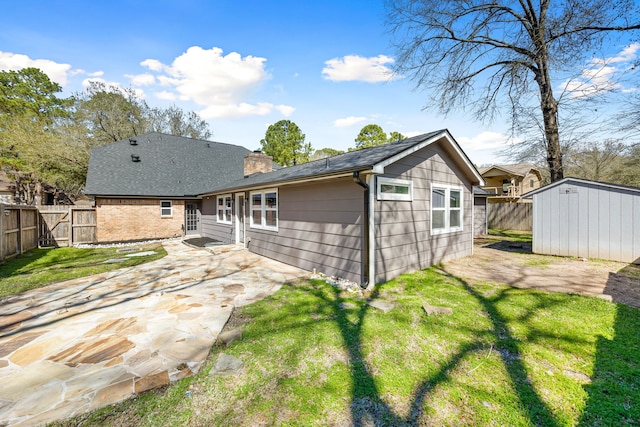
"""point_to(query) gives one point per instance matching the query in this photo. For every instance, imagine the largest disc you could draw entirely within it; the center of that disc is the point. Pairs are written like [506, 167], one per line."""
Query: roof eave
[289, 181]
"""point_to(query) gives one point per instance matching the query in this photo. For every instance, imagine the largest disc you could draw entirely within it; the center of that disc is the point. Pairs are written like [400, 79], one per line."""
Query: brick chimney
[257, 162]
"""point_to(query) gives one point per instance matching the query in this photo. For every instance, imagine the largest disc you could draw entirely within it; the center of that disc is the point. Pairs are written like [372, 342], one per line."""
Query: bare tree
[472, 52]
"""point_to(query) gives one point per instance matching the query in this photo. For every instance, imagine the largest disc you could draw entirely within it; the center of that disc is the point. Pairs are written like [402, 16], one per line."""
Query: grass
[512, 235]
[315, 356]
[40, 267]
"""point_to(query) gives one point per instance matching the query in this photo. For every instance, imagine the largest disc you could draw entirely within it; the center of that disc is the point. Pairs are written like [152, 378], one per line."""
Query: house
[148, 186]
[509, 182]
[367, 215]
[7, 188]
[590, 219]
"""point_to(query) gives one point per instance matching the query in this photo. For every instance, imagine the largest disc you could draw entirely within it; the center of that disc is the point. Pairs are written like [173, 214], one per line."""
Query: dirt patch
[512, 263]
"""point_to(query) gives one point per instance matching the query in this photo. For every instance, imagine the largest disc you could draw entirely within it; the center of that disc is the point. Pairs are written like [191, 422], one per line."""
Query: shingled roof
[345, 163]
[165, 166]
[519, 169]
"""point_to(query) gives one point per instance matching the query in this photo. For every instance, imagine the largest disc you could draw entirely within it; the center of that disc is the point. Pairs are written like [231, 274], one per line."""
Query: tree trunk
[549, 107]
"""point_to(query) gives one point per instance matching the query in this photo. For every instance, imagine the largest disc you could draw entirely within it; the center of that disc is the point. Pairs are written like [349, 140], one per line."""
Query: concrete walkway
[83, 344]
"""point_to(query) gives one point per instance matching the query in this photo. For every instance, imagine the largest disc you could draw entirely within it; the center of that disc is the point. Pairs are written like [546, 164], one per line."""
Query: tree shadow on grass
[614, 391]
[367, 406]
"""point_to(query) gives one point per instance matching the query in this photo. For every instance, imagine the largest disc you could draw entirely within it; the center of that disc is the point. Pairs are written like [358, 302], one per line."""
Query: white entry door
[240, 228]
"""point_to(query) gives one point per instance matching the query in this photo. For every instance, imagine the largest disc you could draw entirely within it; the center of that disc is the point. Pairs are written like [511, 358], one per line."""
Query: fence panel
[83, 225]
[66, 225]
[510, 216]
[18, 229]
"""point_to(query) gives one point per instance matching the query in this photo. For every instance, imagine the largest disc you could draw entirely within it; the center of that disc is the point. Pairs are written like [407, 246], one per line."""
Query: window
[264, 210]
[446, 209]
[394, 189]
[224, 209]
[165, 208]
[530, 183]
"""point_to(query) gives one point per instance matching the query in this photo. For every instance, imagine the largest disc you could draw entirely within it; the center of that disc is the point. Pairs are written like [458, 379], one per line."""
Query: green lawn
[41, 267]
[512, 235]
[314, 356]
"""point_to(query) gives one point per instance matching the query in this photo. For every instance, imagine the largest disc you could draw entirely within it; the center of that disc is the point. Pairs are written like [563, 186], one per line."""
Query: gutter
[365, 272]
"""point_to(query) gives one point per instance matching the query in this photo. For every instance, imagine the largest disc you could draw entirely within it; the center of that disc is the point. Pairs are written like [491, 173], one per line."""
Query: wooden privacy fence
[510, 216]
[66, 225]
[27, 227]
[18, 229]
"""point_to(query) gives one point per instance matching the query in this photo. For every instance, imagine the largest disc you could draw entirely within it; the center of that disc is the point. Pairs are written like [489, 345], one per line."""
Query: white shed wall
[587, 220]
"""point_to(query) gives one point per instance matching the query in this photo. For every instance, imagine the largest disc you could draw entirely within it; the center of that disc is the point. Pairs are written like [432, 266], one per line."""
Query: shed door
[192, 219]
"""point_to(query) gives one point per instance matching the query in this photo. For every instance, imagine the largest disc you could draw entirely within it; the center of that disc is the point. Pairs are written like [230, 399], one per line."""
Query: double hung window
[224, 208]
[165, 208]
[446, 209]
[264, 210]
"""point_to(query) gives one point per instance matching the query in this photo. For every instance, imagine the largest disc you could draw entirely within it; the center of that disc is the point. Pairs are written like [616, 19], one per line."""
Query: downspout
[365, 230]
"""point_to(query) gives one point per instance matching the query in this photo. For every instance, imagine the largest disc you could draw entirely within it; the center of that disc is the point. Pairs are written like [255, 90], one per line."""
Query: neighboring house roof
[517, 169]
[581, 181]
[168, 166]
[374, 158]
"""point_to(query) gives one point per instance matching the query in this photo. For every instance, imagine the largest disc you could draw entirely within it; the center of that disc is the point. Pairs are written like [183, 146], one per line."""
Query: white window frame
[263, 209]
[227, 209]
[447, 208]
[381, 180]
[162, 208]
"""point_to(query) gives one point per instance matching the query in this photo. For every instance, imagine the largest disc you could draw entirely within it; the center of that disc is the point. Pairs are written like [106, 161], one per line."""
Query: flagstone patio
[83, 344]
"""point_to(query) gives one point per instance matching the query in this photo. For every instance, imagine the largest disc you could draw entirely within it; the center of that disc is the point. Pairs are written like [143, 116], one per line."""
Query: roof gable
[581, 181]
[168, 166]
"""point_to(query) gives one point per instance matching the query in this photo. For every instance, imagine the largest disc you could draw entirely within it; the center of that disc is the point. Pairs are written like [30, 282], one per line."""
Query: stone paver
[82, 344]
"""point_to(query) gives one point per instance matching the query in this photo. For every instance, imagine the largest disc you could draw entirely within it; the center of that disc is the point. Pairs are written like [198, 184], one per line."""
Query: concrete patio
[83, 344]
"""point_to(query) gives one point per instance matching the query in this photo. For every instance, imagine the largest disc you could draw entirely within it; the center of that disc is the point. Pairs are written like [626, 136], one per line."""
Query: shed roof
[358, 160]
[601, 184]
[168, 166]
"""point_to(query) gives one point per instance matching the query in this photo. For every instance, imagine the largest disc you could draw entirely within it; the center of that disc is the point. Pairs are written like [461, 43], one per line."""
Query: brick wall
[135, 219]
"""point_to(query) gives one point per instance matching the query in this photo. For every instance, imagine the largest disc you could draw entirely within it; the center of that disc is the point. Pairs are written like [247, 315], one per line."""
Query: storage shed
[591, 219]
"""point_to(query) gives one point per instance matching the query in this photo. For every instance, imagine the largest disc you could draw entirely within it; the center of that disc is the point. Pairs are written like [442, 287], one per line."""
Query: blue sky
[242, 65]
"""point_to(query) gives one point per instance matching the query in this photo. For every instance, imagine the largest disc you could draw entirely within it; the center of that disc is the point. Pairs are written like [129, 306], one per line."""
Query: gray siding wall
[403, 238]
[587, 220]
[319, 227]
[209, 226]
[479, 215]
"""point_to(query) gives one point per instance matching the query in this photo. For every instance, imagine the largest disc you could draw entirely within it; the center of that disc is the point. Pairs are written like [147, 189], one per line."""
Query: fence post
[3, 222]
[70, 227]
[19, 236]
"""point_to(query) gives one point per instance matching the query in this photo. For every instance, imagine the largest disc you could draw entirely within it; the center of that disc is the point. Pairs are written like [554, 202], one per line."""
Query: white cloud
[168, 96]
[80, 71]
[285, 110]
[486, 140]
[601, 74]
[242, 109]
[348, 121]
[144, 79]
[626, 55]
[220, 83]
[152, 64]
[14, 62]
[359, 68]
